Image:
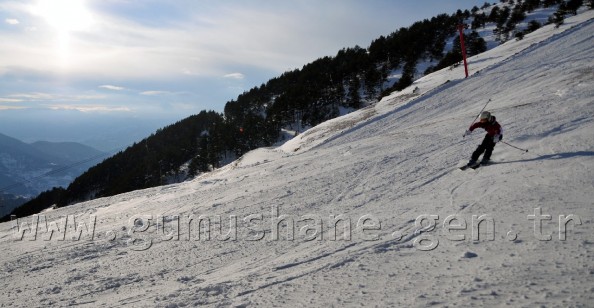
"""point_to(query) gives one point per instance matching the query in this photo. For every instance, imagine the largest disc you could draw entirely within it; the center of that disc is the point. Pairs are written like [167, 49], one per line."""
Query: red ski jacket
[493, 128]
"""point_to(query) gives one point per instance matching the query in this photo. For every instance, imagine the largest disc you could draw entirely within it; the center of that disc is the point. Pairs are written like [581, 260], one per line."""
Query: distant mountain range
[28, 169]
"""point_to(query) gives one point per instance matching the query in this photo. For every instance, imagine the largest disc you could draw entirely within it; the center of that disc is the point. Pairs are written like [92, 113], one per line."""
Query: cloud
[35, 96]
[10, 100]
[11, 107]
[39, 96]
[90, 108]
[204, 43]
[152, 93]
[189, 72]
[113, 88]
[234, 76]
[12, 21]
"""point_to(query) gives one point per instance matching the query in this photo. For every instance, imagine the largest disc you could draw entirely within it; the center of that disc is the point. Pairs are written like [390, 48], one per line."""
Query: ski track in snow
[393, 161]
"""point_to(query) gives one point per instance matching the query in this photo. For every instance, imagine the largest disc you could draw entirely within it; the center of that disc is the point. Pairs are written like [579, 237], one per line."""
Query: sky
[81, 70]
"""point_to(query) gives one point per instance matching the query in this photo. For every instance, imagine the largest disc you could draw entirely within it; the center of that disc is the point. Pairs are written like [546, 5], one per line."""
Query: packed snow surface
[390, 172]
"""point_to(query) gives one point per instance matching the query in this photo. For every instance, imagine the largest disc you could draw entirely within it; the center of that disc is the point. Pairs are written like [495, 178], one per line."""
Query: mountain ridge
[29, 169]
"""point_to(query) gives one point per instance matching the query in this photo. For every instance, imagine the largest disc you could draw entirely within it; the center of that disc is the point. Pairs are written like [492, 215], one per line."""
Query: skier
[494, 135]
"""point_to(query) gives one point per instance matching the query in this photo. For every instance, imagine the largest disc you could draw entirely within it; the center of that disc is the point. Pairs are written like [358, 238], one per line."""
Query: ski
[476, 165]
[473, 166]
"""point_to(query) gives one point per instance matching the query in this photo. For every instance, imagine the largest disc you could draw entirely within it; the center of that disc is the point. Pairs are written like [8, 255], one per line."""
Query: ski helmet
[485, 116]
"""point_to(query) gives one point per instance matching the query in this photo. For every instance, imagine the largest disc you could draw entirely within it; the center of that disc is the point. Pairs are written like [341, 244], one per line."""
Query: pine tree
[476, 44]
[558, 18]
[354, 99]
[573, 5]
[533, 25]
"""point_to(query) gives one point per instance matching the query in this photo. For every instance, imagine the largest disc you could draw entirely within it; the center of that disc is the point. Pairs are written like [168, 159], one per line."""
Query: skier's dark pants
[487, 147]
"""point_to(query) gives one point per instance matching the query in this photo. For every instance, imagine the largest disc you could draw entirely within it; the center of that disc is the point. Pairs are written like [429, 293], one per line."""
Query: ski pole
[479, 114]
[513, 146]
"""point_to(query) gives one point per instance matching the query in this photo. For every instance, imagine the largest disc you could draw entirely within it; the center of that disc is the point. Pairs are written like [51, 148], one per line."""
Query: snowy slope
[382, 168]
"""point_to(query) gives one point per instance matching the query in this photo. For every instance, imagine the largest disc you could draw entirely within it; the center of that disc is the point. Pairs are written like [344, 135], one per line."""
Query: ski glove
[497, 138]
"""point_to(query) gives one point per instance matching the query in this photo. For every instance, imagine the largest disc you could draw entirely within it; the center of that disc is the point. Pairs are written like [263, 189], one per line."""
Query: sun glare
[65, 15]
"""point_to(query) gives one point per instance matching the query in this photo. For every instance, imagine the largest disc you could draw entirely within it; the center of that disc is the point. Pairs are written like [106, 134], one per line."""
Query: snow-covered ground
[389, 171]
